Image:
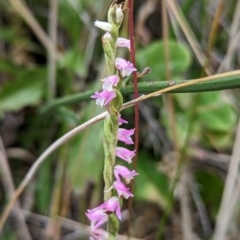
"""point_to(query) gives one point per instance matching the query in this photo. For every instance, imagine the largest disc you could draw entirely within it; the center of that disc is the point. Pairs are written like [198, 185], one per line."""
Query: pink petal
[98, 234]
[121, 121]
[110, 206]
[113, 205]
[110, 82]
[123, 171]
[104, 97]
[124, 66]
[125, 154]
[123, 42]
[122, 190]
[97, 218]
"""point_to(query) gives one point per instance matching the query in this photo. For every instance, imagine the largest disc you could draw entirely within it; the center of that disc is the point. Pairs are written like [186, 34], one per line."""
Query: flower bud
[107, 45]
[115, 14]
[107, 36]
[119, 14]
[105, 26]
[123, 42]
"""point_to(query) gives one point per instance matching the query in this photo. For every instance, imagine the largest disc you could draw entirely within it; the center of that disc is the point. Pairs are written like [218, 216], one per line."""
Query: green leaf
[219, 118]
[211, 188]
[216, 114]
[73, 60]
[43, 186]
[26, 90]
[13, 35]
[8, 34]
[68, 116]
[8, 68]
[214, 122]
[153, 57]
[70, 20]
[151, 184]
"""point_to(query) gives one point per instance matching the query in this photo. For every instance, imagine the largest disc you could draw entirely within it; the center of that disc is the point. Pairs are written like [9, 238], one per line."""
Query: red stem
[132, 54]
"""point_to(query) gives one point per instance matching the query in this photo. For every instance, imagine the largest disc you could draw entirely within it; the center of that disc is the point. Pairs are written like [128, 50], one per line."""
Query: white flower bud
[119, 14]
[105, 26]
[107, 35]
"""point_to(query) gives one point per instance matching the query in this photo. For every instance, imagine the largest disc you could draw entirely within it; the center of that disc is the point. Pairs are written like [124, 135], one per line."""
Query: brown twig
[229, 189]
[131, 35]
[201, 208]
[233, 42]
[136, 110]
[196, 47]
[20, 153]
[8, 185]
[184, 198]
[52, 25]
[214, 30]
[52, 231]
[168, 98]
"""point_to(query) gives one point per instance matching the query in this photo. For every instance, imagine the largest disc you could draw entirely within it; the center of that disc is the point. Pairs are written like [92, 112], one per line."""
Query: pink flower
[105, 26]
[98, 234]
[123, 42]
[121, 121]
[125, 173]
[97, 218]
[124, 66]
[122, 190]
[124, 135]
[104, 97]
[110, 206]
[125, 154]
[110, 82]
[113, 205]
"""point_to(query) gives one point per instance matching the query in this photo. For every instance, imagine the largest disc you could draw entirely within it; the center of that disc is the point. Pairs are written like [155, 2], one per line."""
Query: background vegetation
[186, 139]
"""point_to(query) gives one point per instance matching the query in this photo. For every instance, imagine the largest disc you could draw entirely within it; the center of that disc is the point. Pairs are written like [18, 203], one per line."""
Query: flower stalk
[111, 97]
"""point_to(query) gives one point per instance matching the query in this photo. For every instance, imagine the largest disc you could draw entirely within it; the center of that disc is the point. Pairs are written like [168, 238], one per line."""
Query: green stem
[109, 145]
[215, 84]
